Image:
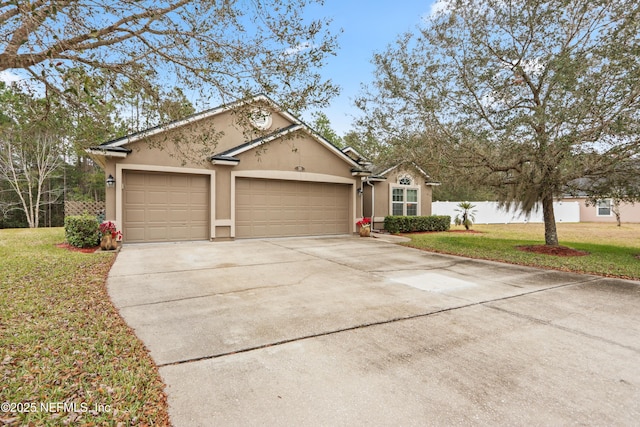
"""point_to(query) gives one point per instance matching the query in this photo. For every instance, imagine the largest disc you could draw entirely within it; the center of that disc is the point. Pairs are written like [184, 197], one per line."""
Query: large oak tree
[222, 50]
[532, 97]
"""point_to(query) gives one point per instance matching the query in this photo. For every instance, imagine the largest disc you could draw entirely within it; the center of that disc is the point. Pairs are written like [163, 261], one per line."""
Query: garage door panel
[292, 200]
[243, 215]
[135, 195]
[199, 215]
[134, 215]
[165, 207]
[178, 198]
[156, 233]
[156, 198]
[199, 182]
[269, 208]
[137, 179]
[157, 215]
[244, 230]
[318, 227]
[135, 233]
[197, 231]
[197, 199]
[176, 232]
[177, 215]
[246, 200]
[288, 215]
[179, 181]
[158, 180]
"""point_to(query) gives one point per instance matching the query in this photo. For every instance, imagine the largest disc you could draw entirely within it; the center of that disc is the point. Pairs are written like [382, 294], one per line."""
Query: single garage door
[274, 208]
[164, 207]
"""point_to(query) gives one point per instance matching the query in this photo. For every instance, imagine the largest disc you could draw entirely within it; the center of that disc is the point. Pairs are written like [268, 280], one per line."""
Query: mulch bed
[552, 250]
[74, 249]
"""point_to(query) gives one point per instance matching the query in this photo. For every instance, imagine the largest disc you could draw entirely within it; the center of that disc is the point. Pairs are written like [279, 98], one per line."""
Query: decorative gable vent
[261, 119]
[405, 180]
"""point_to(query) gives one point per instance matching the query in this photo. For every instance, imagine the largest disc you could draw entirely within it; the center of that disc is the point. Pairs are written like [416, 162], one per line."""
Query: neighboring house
[403, 189]
[281, 180]
[603, 211]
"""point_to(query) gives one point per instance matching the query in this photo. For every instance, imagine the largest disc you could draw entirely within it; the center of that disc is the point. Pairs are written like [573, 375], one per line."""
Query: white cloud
[440, 7]
[533, 66]
[8, 77]
[22, 82]
[298, 48]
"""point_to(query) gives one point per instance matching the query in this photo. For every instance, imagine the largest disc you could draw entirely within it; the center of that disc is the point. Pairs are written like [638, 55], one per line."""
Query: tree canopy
[322, 125]
[221, 49]
[529, 97]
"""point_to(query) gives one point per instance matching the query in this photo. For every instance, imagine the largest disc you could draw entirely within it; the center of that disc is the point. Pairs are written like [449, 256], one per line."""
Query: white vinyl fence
[490, 213]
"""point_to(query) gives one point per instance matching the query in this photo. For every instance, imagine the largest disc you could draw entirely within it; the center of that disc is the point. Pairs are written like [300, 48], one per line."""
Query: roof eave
[360, 172]
[375, 178]
[224, 160]
[105, 152]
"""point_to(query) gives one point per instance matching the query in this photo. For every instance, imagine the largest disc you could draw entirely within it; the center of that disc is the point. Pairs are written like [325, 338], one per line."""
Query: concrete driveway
[352, 331]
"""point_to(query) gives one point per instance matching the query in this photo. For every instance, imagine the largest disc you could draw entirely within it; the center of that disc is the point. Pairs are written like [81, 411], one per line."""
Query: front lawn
[613, 251]
[66, 356]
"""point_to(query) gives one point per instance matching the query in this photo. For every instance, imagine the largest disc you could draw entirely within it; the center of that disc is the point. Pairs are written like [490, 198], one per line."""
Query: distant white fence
[491, 213]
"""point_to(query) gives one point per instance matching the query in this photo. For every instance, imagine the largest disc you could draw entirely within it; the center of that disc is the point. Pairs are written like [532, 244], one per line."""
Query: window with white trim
[405, 198]
[604, 207]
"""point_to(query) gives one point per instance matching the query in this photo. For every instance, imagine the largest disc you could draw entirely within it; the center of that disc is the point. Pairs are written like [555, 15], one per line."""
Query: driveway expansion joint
[371, 324]
[214, 267]
[207, 295]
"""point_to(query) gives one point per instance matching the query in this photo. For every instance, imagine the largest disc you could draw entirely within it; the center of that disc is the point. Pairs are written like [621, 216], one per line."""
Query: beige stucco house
[254, 170]
[603, 211]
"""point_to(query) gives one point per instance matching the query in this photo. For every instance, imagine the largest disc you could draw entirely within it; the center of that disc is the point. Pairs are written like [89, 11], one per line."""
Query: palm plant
[466, 216]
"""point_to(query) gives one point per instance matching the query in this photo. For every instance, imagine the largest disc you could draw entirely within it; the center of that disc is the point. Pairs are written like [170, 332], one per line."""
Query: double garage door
[275, 208]
[160, 207]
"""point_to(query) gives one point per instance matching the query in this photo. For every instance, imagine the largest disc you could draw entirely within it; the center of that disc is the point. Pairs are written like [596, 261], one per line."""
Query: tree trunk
[550, 232]
[616, 211]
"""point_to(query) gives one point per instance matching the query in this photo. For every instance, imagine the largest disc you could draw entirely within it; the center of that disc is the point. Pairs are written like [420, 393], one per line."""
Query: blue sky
[369, 26]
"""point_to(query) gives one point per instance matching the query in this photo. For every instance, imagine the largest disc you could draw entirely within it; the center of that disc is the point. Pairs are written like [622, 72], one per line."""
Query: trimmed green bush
[81, 231]
[412, 224]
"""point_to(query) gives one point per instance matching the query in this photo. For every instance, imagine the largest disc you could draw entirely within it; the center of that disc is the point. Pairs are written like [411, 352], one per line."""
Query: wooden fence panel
[80, 208]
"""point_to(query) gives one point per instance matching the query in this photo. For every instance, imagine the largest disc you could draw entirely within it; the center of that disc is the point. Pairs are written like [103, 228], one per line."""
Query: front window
[412, 202]
[404, 201]
[397, 203]
[604, 207]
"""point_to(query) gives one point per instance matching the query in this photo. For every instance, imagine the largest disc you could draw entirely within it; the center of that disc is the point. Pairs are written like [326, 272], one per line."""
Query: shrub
[411, 224]
[81, 231]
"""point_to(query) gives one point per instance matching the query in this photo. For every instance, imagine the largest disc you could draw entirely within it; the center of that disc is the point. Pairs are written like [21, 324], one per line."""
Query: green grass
[612, 250]
[63, 342]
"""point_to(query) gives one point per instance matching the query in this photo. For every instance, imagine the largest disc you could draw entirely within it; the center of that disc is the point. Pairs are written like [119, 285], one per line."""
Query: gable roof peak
[196, 117]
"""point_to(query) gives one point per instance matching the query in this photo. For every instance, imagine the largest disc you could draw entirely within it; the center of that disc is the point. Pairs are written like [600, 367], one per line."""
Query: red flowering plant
[364, 222]
[109, 227]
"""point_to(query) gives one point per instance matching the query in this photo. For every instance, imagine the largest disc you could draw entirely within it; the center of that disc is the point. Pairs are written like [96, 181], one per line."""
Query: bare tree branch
[200, 43]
